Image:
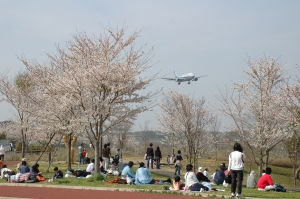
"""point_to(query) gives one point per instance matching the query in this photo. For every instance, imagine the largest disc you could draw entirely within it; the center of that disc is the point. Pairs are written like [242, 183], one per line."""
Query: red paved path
[62, 193]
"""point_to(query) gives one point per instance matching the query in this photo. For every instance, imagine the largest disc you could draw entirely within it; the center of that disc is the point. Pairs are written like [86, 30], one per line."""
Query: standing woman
[157, 157]
[178, 164]
[235, 168]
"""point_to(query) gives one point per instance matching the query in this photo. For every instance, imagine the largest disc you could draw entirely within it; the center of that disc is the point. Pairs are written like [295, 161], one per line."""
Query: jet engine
[195, 79]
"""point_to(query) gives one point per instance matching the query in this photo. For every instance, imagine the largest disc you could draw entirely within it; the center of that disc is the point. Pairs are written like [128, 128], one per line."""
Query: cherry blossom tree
[12, 91]
[292, 115]
[189, 119]
[95, 83]
[255, 107]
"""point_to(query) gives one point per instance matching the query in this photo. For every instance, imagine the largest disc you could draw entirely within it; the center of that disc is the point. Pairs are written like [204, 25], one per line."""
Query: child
[168, 160]
[58, 173]
[178, 184]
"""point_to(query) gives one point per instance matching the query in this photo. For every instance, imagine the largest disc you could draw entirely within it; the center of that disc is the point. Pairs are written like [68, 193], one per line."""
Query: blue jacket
[219, 176]
[24, 169]
[142, 176]
[127, 171]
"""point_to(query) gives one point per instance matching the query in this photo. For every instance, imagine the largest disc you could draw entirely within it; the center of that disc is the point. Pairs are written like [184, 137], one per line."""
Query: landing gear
[189, 82]
[178, 83]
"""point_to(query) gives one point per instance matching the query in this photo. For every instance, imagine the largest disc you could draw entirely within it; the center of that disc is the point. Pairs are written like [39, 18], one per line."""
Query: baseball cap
[23, 159]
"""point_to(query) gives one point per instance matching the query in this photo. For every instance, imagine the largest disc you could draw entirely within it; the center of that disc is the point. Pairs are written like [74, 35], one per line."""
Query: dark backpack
[279, 188]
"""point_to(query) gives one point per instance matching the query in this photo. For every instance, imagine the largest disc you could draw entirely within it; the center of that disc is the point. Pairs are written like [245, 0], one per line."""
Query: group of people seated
[142, 175]
[199, 181]
[25, 173]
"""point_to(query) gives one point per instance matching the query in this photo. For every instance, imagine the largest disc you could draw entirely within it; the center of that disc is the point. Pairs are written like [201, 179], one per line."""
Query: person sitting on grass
[205, 172]
[143, 175]
[201, 177]
[219, 176]
[90, 166]
[128, 172]
[58, 173]
[101, 168]
[191, 180]
[178, 184]
[35, 172]
[24, 167]
[265, 182]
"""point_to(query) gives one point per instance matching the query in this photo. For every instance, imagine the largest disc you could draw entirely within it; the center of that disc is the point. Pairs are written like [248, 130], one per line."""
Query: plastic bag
[225, 184]
[128, 180]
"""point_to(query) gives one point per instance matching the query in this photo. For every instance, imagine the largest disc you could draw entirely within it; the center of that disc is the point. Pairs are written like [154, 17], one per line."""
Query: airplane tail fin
[175, 74]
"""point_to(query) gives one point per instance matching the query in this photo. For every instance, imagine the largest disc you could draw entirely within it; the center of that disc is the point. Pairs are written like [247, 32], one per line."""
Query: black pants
[158, 163]
[236, 180]
[2, 157]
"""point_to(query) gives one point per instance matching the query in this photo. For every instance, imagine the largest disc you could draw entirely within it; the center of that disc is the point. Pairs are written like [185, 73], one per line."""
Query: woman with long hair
[236, 169]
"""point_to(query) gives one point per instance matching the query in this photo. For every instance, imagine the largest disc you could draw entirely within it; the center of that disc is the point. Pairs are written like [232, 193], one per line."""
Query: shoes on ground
[233, 194]
[238, 195]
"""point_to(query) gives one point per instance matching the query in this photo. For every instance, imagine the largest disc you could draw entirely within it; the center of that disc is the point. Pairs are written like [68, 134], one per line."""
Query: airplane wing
[173, 79]
[201, 76]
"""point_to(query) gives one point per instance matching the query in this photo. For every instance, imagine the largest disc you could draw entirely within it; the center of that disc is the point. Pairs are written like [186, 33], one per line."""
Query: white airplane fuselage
[184, 78]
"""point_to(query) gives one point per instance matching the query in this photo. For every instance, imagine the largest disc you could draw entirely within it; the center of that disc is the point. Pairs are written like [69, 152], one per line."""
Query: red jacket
[264, 181]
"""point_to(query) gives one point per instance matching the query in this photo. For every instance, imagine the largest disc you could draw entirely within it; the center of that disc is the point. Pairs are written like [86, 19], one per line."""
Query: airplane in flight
[184, 78]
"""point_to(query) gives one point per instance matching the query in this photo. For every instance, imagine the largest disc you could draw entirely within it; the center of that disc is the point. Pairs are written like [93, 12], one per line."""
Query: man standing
[105, 155]
[109, 153]
[80, 150]
[150, 154]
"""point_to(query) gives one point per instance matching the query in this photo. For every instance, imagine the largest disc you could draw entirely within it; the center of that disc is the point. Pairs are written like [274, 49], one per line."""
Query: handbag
[228, 178]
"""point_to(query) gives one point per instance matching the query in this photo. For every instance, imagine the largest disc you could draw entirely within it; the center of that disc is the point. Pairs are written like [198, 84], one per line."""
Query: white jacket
[236, 160]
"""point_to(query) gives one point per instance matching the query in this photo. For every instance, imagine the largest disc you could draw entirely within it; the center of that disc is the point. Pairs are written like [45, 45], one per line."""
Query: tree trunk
[69, 151]
[267, 159]
[295, 176]
[23, 143]
[97, 161]
[260, 166]
[101, 146]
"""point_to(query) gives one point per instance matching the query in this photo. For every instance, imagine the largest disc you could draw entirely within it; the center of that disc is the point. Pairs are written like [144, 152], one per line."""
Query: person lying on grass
[143, 175]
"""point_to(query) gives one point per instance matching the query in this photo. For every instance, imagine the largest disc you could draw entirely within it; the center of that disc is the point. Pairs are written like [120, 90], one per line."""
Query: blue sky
[205, 37]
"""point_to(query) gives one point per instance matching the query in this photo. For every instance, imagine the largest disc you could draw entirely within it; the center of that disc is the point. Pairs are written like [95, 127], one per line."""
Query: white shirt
[90, 167]
[190, 178]
[236, 161]
[206, 173]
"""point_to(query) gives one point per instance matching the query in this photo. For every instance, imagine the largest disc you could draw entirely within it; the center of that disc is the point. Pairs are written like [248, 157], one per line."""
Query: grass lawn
[280, 175]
